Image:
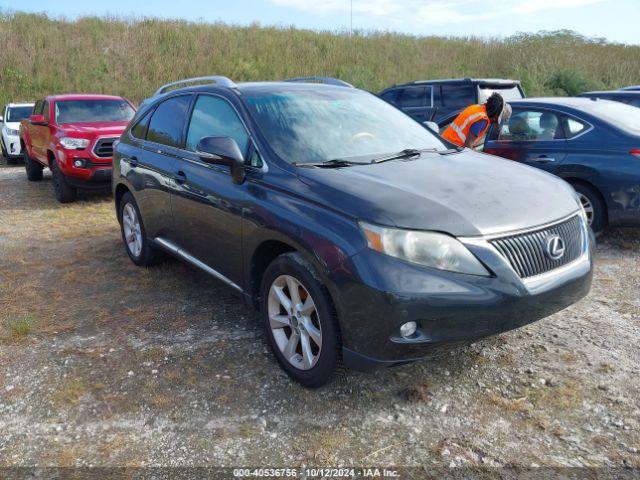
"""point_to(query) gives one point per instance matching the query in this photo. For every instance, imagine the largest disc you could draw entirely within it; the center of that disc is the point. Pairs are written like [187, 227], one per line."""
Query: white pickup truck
[10, 124]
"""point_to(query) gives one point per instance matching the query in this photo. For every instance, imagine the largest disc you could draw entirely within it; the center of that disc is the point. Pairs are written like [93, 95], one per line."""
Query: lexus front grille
[539, 251]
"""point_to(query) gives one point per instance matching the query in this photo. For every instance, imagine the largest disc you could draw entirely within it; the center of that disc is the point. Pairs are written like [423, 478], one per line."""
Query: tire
[64, 192]
[4, 150]
[594, 206]
[10, 160]
[145, 254]
[321, 362]
[33, 168]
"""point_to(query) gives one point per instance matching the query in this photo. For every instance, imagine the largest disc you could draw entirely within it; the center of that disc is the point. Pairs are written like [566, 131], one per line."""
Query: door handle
[179, 176]
[543, 159]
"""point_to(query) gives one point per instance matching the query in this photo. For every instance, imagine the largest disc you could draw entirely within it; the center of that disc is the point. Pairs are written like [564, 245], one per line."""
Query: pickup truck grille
[528, 253]
[104, 147]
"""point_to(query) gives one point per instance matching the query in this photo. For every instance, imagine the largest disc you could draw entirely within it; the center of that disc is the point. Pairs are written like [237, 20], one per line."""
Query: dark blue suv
[362, 237]
[442, 100]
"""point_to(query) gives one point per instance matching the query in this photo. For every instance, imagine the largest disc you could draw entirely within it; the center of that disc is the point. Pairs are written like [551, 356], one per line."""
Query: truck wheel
[139, 248]
[65, 193]
[10, 160]
[33, 168]
[593, 206]
[300, 321]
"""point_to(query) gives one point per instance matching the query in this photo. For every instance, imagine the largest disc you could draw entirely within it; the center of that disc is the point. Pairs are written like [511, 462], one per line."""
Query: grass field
[40, 56]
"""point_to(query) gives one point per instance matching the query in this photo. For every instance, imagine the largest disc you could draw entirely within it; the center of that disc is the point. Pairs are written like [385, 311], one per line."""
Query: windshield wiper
[406, 153]
[333, 163]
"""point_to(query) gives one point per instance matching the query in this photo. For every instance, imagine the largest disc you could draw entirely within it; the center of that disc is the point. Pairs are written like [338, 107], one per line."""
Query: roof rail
[328, 80]
[217, 79]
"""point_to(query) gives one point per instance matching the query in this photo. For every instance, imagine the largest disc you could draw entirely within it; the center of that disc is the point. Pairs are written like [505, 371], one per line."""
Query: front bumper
[94, 174]
[12, 145]
[449, 308]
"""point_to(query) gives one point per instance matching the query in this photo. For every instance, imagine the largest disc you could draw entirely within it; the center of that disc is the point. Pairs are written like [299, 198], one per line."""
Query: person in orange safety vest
[470, 127]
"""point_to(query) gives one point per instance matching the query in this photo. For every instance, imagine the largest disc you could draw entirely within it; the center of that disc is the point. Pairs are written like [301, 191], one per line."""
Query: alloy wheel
[294, 322]
[132, 230]
[588, 207]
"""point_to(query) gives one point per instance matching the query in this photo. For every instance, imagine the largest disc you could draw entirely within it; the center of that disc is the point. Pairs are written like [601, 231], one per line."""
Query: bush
[19, 326]
[568, 82]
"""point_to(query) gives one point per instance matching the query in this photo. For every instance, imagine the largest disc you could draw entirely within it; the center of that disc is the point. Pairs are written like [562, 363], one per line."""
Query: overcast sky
[616, 20]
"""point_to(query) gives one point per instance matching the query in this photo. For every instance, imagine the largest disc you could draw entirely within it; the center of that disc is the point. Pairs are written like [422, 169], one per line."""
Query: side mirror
[223, 151]
[37, 120]
[433, 126]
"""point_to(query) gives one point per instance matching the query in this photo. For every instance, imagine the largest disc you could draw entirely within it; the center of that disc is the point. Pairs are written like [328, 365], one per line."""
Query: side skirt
[180, 253]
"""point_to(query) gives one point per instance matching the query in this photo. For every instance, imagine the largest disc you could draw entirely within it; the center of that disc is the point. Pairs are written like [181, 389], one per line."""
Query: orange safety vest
[458, 131]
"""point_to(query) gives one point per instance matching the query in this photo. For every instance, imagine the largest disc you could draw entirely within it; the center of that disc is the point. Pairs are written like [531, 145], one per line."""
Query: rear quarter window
[168, 121]
[139, 130]
[574, 127]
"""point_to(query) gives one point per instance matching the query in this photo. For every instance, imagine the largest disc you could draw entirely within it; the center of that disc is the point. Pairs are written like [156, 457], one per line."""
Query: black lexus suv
[362, 237]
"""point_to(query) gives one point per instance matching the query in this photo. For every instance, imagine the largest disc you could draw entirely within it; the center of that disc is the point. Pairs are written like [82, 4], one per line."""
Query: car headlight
[431, 249]
[77, 143]
[12, 132]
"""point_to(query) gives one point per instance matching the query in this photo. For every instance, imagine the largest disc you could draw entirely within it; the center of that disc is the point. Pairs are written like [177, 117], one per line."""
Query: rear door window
[414, 97]
[531, 125]
[167, 122]
[458, 96]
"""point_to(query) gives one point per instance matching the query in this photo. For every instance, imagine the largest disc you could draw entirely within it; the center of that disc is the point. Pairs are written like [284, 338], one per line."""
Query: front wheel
[593, 206]
[300, 321]
[65, 193]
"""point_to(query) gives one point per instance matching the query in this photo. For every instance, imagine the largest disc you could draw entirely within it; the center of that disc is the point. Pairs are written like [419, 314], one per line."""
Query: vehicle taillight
[635, 152]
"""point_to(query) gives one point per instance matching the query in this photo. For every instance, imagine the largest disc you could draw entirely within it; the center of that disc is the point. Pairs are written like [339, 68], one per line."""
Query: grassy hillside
[39, 56]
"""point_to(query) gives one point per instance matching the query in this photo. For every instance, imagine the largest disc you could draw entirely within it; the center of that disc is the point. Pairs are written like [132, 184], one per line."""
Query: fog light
[78, 163]
[408, 329]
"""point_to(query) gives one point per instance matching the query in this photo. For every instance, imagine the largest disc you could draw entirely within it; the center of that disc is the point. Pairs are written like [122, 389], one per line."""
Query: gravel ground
[106, 364]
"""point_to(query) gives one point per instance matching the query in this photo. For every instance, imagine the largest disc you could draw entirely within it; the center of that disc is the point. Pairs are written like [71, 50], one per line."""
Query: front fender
[326, 238]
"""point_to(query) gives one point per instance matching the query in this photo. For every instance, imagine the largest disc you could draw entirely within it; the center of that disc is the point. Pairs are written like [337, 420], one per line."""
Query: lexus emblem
[555, 247]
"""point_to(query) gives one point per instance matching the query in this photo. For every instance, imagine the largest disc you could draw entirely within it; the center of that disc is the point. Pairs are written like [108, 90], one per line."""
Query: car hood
[107, 128]
[463, 194]
[12, 125]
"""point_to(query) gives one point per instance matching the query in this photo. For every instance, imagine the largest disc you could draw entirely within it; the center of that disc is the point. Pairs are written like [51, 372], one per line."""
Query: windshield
[320, 124]
[15, 114]
[618, 114]
[78, 111]
[509, 93]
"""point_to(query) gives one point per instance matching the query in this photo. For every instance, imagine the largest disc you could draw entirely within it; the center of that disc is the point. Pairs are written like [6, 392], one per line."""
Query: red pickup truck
[73, 136]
